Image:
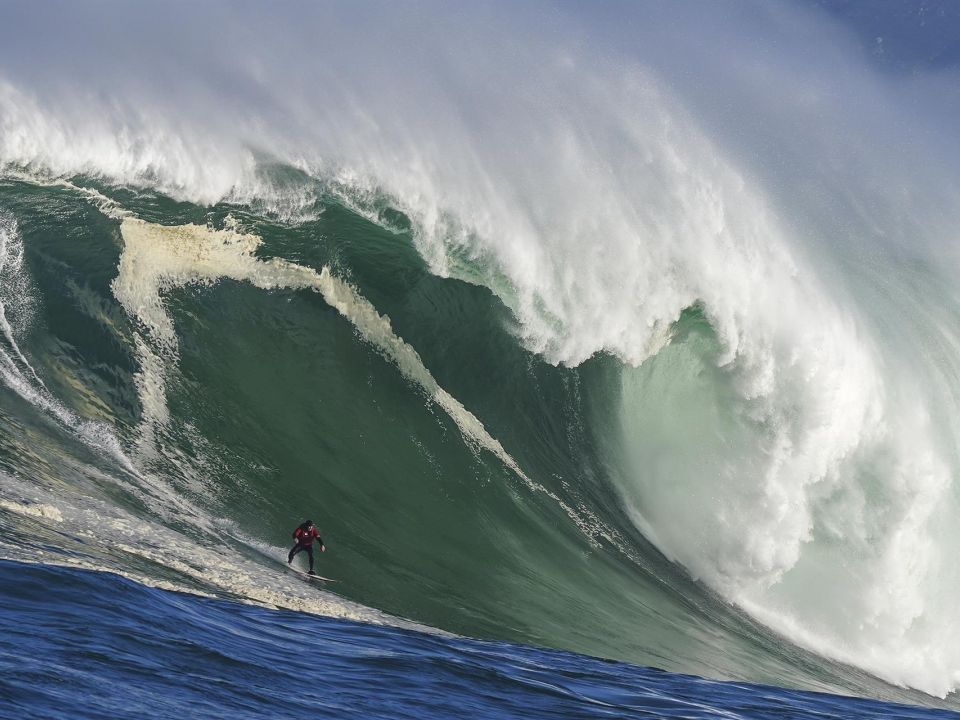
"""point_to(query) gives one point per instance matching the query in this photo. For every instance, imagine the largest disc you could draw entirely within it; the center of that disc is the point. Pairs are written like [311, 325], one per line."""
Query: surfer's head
[308, 523]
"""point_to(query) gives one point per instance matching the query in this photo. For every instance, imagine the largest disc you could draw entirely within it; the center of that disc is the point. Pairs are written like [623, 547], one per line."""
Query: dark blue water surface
[78, 644]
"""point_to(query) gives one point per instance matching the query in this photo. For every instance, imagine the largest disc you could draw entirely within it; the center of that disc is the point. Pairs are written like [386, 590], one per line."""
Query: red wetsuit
[305, 538]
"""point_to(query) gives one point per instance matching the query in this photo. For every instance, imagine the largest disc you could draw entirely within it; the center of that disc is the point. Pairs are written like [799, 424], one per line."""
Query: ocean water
[578, 329]
[174, 655]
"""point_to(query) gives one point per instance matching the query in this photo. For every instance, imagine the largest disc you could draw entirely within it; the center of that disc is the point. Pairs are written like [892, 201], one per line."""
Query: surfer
[305, 535]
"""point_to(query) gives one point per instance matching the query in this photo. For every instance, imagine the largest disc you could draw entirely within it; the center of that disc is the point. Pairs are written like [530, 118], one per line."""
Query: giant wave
[586, 355]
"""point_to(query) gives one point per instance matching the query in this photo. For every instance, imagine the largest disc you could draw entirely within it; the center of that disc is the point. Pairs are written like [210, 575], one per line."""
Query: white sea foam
[39, 510]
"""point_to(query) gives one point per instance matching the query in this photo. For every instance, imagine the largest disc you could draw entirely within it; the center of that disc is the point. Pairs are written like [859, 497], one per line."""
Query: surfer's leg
[293, 552]
[309, 550]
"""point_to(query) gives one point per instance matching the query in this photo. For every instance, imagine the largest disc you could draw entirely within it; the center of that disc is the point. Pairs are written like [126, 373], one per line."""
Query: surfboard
[316, 577]
[308, 576]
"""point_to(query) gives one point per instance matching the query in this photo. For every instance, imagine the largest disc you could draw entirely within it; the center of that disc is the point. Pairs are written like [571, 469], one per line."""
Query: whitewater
[658, 329]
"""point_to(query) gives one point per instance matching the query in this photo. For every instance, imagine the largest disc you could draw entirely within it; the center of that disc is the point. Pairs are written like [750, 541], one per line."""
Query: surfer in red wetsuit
[305, 535]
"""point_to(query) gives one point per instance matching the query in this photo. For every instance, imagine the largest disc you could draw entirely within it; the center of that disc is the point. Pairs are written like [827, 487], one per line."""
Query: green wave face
[187, 460]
